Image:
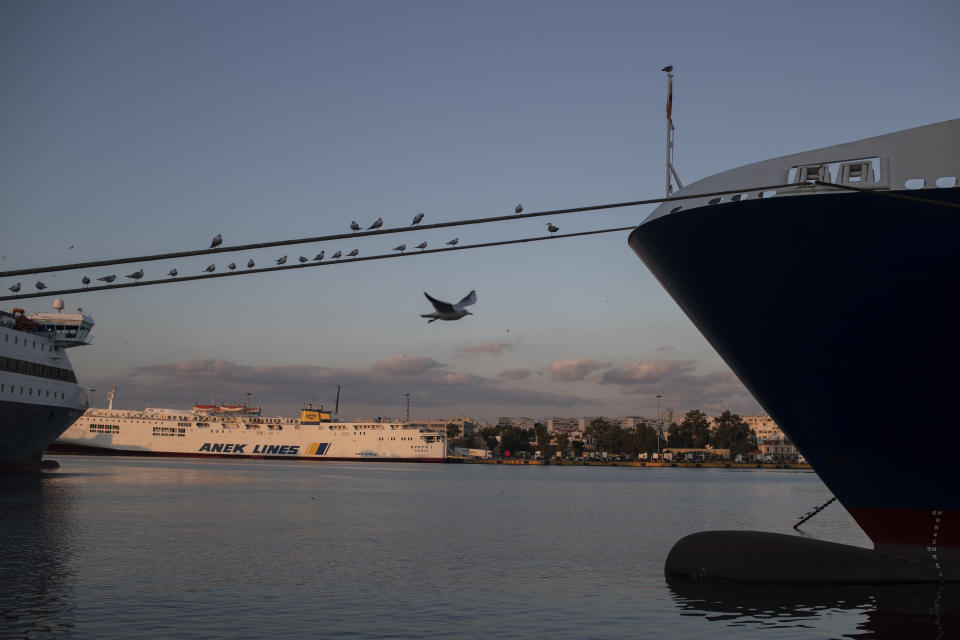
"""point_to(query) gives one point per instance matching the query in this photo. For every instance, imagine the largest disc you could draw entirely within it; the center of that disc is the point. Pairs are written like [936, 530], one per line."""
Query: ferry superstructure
[838, 307]
[39, 394]
[210, 431]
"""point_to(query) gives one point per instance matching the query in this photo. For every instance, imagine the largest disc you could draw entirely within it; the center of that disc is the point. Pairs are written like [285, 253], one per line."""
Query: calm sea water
[159, 548]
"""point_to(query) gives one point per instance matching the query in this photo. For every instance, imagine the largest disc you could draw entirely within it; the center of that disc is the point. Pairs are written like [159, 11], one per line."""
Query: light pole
[659, 424]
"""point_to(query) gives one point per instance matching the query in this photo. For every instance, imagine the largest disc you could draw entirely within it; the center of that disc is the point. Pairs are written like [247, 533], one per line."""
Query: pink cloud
[496, 348]
[576, 369]
[514, 374]
[646, 371]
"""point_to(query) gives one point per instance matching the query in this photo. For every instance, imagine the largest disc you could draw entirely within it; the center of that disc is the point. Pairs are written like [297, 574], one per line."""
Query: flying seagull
[354, 225]
[422, 245]
[337, 255]
[211, 268]
[107, 279]
[251, 264]
[216, 242]
[552, 228]
[232, 266]
[70, 247]
[15, 287]
[401, 248]
[172, 273]
[85, 280]
[282, 260]
[447, 311]
[416, 219]
[40, 285]
[319, 257]
[353, 253]
[454, 242]
[518, 209]
[136, 275]
[667, 68]
[377, 224]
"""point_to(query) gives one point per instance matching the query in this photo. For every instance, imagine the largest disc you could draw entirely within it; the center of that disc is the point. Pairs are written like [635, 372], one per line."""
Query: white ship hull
[165, 432]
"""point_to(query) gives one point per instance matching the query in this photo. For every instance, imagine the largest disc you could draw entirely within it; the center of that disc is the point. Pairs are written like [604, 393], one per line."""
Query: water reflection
[921, 611]
[36, 528]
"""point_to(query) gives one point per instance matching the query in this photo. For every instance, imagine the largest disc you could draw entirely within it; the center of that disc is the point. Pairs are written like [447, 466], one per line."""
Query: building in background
[516, 423]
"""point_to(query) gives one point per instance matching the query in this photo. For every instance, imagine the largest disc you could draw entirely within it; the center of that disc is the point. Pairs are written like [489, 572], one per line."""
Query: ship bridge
[66, 329]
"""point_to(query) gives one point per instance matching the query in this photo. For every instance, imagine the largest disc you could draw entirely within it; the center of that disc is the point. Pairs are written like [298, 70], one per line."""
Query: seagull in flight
[172, 273]
[15, 287]
[85, 280]
[232, 266]
[354, 226]
[401, 248]
[447, 311]
[251, 264]
[319, 257]
[216, 242]
[552, 228]
[40, 285]
[107, 279]
[353, 253]
[337, 255]
[304, 259]
[377, 224]
[518, 208]
[416, 219]
[454, 242]
[211, 268]
[422, 245]
[282, 260]
[136, 275]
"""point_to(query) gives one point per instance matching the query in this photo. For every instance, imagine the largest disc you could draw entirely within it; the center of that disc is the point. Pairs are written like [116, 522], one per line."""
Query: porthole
[714, 201]
[915, 183]
[947, 182]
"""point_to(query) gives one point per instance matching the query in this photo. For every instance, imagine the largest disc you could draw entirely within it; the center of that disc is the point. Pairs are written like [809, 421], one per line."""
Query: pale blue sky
[129, 128]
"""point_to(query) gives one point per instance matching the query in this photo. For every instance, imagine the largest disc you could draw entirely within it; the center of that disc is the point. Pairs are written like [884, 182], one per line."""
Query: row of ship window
[57, 395]
[104, 428]
[16, 340]
[28, 368]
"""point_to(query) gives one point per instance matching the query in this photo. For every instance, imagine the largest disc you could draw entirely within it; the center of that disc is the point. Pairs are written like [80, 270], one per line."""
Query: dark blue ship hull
[26, 430]
[840, 313]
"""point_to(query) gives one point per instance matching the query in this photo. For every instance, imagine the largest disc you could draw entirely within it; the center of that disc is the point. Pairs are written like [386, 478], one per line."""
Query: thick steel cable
[210, 276]
[362, 234]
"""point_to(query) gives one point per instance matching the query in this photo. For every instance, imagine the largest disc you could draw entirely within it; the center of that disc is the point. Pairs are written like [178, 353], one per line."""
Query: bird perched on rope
[416, 219]
[552, 228]
[232, 266]
[353, 253]
[422, 245]
[172, 273]
[136, 275]
[107, 279]
[401, 248]
[447, 311]
[85, 280]
[251, 264]
[337, 255]
[304, 259]
[354, 226]
[376, 224]
[282, 260]
[216, 242]
[518, 208]
[211, 268]
[454, 242]
[319, 256]
[14, 288]
[40, 285]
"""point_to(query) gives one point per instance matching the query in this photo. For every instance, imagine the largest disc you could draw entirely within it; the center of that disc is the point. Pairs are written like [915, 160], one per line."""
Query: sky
[131, 128]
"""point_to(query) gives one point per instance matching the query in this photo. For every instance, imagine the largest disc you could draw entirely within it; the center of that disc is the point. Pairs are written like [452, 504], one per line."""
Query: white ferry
[240, 431]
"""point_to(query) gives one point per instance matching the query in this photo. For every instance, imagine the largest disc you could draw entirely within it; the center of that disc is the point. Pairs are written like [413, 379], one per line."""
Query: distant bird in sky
[15, 287]
[282, 260]
[107, 279]
[216, 242]
[422, 245]
[353, 253]
[85, 280]
[136, 275]
[232, 266]
[40, 285]
[454, 242]
[376, 224]
[211, 268]
[447, 311]
[416, 219]
[552, 228]
[337, 255]
[251, 264]
[70, 247]
[319, 257]
[400, 248]
[354, 225]
[518, 209]
[667, 68]
[304, 259]
[172, 273]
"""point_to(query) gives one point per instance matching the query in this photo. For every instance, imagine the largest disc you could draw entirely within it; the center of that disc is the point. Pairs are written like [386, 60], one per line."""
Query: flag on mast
[670, 100]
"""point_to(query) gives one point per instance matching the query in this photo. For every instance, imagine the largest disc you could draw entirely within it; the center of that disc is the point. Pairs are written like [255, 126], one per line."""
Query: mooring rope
[814, 512]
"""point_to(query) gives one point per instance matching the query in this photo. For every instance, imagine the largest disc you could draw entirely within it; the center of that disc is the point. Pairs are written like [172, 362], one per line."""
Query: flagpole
[671, 172]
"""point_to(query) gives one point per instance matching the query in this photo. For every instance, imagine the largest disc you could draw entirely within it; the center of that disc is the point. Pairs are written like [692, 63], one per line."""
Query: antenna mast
[671, 172]
[336, 407]
[111, 395]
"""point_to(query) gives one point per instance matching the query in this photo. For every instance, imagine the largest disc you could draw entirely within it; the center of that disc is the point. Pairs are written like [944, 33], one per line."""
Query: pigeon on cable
[85, 280]
[251, 264]
[211, 268]
[353, 253]
[40, 285]
[552, 228]
[319, 257]
[354, 225]
[15, 287]
[172, 273]
[518, 209]
[416, 219]
[282, 260]
[136, 275]
[304, 259]
[107, 279]
[422, 245]
[400, 248]
[232, 266]
[376, 224]
[337, 255]
[454, 242]
[216, 242]
[447, 311]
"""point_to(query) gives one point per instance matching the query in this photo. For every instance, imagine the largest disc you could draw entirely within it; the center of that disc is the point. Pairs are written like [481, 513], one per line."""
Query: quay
[712, 464]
